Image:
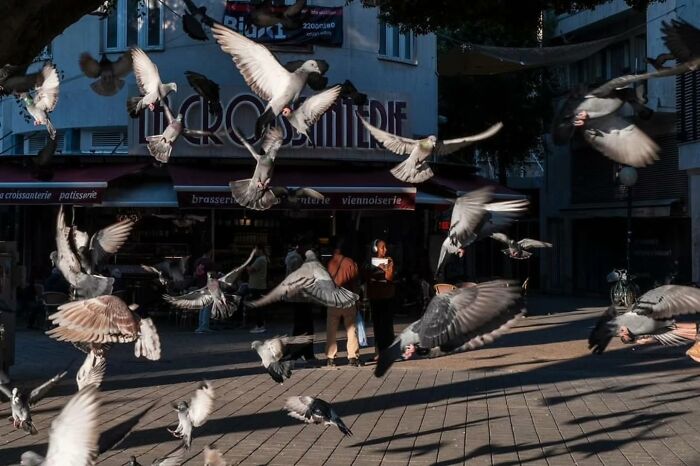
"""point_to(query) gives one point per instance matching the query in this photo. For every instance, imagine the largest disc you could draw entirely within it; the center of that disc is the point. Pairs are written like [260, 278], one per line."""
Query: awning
[68, 186]
[465, 184]
[145, 194]
[345, 188]
[640, 209]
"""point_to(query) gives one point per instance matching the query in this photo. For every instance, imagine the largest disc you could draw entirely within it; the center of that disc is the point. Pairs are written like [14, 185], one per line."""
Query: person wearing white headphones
[379, 277]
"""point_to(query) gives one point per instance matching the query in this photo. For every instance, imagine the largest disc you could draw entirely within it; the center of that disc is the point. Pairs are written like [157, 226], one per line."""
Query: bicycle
[624, 292]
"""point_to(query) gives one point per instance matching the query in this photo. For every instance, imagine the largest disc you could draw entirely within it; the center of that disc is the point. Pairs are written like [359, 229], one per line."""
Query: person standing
[303, 316]
[379, 277]
[257, 284]
[202, 267]
[345, 274]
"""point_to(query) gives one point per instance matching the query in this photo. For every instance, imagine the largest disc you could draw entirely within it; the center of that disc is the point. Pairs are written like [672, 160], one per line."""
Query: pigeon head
[15, 393]
[309, 255]
[133, 462]
[310, 66]
[170, 87]
[605, 329]
[179, 118]
[256, 344]
[26, 98]
[182, 406]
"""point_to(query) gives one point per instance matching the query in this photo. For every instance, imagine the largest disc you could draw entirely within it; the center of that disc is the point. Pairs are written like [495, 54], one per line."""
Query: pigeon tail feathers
[342, 427]
[387, 358]
[50, 128]
[409, 172]
[263, 122]
[148, 342]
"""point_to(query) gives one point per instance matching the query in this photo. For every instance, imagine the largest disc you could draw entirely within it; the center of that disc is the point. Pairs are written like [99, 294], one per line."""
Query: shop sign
[320, 25]
[51, 195]
[333, 201]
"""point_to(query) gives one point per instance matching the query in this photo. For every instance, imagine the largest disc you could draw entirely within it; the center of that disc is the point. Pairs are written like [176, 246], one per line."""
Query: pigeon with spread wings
[22, 401]
[310, 282]
[193, 19]
[313, 410]
[150, 86]
[519, 249]
[194, 413]
[415, 168]
[311, 110]
[44, 99]
[94, 250]
[108, 73]
[278, 354]
[208, 89]
[264, 74]
[455, 318]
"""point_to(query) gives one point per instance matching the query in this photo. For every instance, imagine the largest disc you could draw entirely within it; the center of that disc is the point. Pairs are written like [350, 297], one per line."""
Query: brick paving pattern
[535, 397]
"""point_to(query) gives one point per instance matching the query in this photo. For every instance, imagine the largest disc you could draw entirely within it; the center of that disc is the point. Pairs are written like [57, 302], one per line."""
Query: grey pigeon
[314, 411]
[415, 168]
[103, 320]
[519, 249]
[93, 251]
[455, 318]
[21, 401]
[41, 165]
[171, 272]
[254, 192]
[311, 110]
[223, 304]
[475, 218]
[266, 14]
[213, 457]
[69, 263]
[175, 458]
[264, 74]
[194, 413]
[315, 81]
[150, 86]
[44, 99]
[208, 89]
[93, 369]
[650, 317]
[311, 282]
[73, 439]
[193, 19]
[108, 73]
[278, 354]
[682, 39]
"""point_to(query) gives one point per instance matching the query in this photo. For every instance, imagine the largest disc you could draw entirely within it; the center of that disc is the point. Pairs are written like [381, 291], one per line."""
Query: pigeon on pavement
[278, 354]
[264, 74]
[310, 282]
[208, 89]
[194, 413]
[106, 319]
[519, 249]
[73, 437]
[110, 73]
[651, 317]
[315, 411]
[150, 86]
[415, 168]
[44, 99]
[21, 401]
[475, 218]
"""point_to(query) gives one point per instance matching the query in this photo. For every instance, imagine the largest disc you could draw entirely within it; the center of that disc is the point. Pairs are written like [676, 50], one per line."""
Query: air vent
[37, 142]
[109, 140]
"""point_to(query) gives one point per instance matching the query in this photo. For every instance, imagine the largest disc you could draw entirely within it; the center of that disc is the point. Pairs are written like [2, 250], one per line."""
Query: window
[396, 45]
[108, 141]
[133, 22]
[33, 144]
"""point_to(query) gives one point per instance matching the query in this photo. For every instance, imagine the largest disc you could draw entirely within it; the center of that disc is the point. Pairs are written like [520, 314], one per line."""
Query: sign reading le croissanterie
[51, 195]
[319, 25]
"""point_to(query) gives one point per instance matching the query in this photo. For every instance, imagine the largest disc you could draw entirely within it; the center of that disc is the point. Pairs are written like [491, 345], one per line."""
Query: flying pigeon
[41, 164]
[110, 73]
[44, 99]
[208, 89]
[93, 369]
[213, 457]
[314, 411]
[193, 19]
[315, 81]
[73, 437]
[278, 354]
[148, 80]
[475, 218]
[349, 91]
[265, 14]
[104, 10]
[681, 39]
[415, 168]
[518, 249]
[454, 319]
[194, 413]
[69, 263]
[175, 458]
[106, 319]
[292, 196]
[21, 401]
[650, 317]
[254, 192]
[264, 74]
[311, 110]
[310, 282]
[94, 250]
[171, 272]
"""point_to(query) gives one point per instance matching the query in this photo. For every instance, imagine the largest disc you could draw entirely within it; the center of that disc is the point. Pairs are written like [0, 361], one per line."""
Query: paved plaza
[536, 396]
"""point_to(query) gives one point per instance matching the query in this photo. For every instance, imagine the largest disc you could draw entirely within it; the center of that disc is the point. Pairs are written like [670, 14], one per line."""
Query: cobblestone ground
[535, 397]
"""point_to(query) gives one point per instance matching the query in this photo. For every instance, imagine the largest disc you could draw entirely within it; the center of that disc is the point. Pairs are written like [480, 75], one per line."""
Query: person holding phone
[379, 277]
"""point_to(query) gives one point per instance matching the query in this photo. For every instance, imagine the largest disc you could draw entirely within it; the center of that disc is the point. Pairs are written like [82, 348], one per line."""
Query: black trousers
[258, 313]
[383, 323]
[304, 325]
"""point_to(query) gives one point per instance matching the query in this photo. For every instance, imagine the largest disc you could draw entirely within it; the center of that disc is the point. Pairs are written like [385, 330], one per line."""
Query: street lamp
[628, 178]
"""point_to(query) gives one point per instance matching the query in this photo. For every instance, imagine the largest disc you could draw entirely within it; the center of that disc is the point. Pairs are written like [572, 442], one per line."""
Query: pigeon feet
[581, 118]
[409, 351]
[151, 107]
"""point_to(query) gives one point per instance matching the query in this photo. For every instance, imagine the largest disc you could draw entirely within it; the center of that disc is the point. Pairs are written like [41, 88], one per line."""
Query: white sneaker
[258, 330]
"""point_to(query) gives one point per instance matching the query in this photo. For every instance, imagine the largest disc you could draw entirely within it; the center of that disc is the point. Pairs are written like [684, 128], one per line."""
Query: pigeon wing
[668, 301]
[396, 144]
[621, 141]
[73, 436]
[528, 243]
[203, 85]
[292, 347]
[146, 72]
[89, 66]
[42, 390]
[231, 277]
[245, 143]
[315, 106]
[47, 94]
[260, 69]
[467, 215]
[452, 145]
[202, 404]
[193, 300]
[327, 293]
[109, 240]
[681, 39]
[290, 287]
[501, 237]
[105, 319]
[298, 408]
[176, 458]
[123, 66]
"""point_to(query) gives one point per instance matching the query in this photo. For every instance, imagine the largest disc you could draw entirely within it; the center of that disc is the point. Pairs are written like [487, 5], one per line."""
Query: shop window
[133, 23]
[396, 45]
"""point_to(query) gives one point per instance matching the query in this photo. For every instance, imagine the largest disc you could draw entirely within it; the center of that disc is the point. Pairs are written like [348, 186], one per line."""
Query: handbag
[360, 325]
